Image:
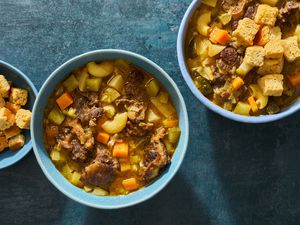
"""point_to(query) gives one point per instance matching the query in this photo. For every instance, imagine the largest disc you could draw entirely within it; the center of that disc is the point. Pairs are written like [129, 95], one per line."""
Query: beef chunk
[101, 171]
[155, 157]
[78, 153]
[229, 58]
[288, 8]
[136, 109]
[235, 7]
[134, 85]
[138, 129]
[251, 11]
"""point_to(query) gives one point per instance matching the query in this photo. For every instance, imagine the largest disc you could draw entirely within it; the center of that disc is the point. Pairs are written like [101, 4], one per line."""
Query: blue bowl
[184, 70]
[19, 79]
[55, 176]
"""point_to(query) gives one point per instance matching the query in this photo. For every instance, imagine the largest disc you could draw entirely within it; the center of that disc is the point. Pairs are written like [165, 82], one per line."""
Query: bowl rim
[148, 195]
[28, 148]
[213, 107]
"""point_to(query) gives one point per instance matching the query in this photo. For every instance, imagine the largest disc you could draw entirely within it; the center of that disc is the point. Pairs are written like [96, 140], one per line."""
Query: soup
[244, 55]
[110, 128]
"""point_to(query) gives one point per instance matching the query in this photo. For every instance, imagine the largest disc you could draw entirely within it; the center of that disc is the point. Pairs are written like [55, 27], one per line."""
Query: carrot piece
[130, 184]
[120, 150]
[237, 83]
[64, 101]
[102, 137]
[294, 79]
[253, 104]
[219, 36]
[170, 123]
[101, 121]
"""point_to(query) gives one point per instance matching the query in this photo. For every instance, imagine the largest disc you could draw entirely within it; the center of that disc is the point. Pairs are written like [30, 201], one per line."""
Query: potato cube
[23, 118]
[271, 85]
[4, 87]
[16, 142]
[266, 15]
[7, 119]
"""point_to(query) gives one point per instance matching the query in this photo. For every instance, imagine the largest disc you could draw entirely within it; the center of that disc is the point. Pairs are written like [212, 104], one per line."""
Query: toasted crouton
[3, 143]
[271, 85]
[263, 36]
[23, 118]
[18, 96]
[12, 107]
[271, 66]
[266, 15]
[12, 131]
[4, 87]
[254, 56]
[274, 49]
[291, 48]
[246, 31]
[7, 118]
[2, 102]
[16, 142]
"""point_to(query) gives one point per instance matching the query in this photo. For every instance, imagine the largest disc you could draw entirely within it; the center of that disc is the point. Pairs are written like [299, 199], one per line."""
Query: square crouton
[4, 87]
[246, 31]
[16, 142]
[263, 36]
[23, 117]
[274, 49]
[266, 15]
[254, 56]
[3, 143]
[275, 33]
[271, 85]
[291, 48]
[12, 131]
[18, 96]
[12, 107]
[2, 102]
[271, 66]
[7, 118]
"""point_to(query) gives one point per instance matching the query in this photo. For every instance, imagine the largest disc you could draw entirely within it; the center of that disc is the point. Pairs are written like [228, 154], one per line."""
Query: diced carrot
[101, 121]
[253, 104]
[64, 101]
[294, 79]
[12, 107]
[120, 150]
[102, 137]
[219, 36]
[130, 184]
[237, 83]
[170, 123]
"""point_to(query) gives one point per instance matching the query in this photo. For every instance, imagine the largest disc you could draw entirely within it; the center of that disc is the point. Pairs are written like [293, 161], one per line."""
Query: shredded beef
[136, 109]
[78, 153]
[138, 129]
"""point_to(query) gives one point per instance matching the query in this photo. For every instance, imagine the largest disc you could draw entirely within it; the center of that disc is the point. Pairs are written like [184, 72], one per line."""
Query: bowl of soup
[241, 58]
[109, 128]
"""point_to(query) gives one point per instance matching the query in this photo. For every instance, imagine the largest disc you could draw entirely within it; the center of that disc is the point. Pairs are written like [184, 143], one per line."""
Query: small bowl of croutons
[17, 96]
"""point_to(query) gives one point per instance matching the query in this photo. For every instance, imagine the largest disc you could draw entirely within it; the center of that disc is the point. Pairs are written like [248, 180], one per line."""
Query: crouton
[266, 15]
[271, 85]
[263, 36]
[246, 31]
[271, 66]
[18, 96]
[23, 118]
[2, 102]
[275, 33]
[274, 49]
[4, 87]
[291, 48]
[16, 142]
[254, 56]
[12, 107]
[7, 118]
[3, 143]
[12, 131]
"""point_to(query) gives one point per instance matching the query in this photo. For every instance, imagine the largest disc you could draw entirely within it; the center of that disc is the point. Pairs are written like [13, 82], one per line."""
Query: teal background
[233, 173]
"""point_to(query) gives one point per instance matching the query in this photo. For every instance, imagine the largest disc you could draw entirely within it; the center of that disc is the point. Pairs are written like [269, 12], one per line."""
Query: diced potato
[242, 109]
[135, 159]
[152, 87]
[211, 3]
[125, 166]
[93, 84]
[67, 171]
[163, 97]
[261, 99]
[225, 18]
[102, 69]
[110, 111]
[170, 148]
[109, 95]
[116, 125]
[56, 116]
[75, 179]
[71, 83]
[87, 188]
[99, 192]
[165, 109]
[116, 82]
[173, 134]
[82, 77]
[152, 117]
[269, 2]
[214, 50]
[202, 23]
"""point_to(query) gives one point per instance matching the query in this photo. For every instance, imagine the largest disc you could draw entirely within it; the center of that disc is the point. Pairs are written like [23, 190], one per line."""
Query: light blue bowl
[184, 70]
[54, 175]
[19, 79]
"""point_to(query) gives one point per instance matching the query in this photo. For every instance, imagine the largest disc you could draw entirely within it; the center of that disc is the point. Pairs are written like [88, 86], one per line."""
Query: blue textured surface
[232, 174]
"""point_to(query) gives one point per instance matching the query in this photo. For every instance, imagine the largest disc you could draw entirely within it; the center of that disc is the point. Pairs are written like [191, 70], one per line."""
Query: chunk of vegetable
[116, 82]
[56, 116]
[170, 123]
[202, 45]
[87, 188]
[214, 50]
[202, 23]
[125, 166]
[135, 159]
[116, 125]
[152, 117]
[225, 18]
[67, 171]
[130, 184]
[242, 108]
[71, 83]
[203, 85]
[219, 36]
[244, 69]
[102, 69]
[166, 110]
[109, 95]
[102, 137]
[93, 84]
[57, 157]
[82, 77]
[294, 79]
[272, 108]
[253, 104]
[237, 83]
[71, 112]
[99, 191]
[270, 2]
[261, 99]
[211, 3]
[120, 150]
[152, 87]
[170, 148]
[174, 134]
[163, 97]
[75, 179]
[64, 101]
[101, 121]
[110, 111]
